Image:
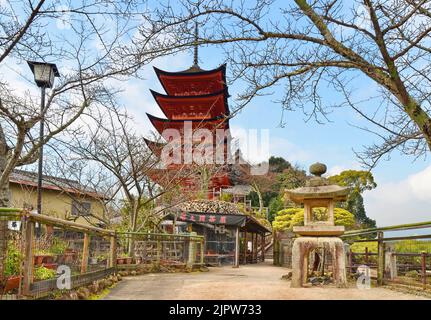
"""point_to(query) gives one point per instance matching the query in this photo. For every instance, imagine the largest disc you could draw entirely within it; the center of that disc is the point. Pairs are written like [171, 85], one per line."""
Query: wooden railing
[386, 269]
[28, 237]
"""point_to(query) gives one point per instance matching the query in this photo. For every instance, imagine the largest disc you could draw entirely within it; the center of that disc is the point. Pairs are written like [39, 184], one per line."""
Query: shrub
[226, 197]
[43, 273]
[58, 246]
[283, 218]
[13, 260]
[288, 218]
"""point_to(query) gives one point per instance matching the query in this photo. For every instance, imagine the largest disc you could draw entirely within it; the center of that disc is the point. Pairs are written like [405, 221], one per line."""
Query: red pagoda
[199, 98]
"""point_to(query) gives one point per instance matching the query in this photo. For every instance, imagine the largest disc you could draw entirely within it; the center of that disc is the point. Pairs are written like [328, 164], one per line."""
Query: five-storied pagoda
[195, 99]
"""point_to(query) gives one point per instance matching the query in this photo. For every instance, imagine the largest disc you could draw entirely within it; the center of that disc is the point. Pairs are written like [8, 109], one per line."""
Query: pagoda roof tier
[166, 177]
[220, 180]
[198, 82]
[211, 124]
[155, 147]
[193, 107]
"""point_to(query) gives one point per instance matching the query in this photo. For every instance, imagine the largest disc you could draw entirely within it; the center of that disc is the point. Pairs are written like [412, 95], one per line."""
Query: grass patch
[102, 294]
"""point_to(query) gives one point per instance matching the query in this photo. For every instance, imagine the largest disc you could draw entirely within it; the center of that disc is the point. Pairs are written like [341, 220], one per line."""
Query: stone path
[258, 281]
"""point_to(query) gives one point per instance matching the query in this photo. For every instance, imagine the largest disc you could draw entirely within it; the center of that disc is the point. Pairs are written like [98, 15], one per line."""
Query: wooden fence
[391, 264]
[92, 253]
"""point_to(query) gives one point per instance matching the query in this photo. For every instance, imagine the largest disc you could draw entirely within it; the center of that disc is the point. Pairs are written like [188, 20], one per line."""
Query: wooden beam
[263, 247]
[85, 253]
[419, 225]
[69, 224]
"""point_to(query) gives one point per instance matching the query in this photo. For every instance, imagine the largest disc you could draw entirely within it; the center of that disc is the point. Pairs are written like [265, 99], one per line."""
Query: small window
[81, 208]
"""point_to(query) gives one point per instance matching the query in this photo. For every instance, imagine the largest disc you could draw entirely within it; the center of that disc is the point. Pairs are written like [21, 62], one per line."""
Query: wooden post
[263, 246]
[202, 252]
[424, 270]
[253, 247]
[85, 252]
[381, 259]
[255, 250]
[350, 261]
[236, 261]
[113, 252]
[245, 246]
[28, 263]
[276, 251]
[159, 250]
[192, 251]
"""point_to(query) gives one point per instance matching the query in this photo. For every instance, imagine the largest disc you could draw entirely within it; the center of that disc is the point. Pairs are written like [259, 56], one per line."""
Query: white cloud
[337, 169]
[420, 184]
[405, 201]
[277, 146]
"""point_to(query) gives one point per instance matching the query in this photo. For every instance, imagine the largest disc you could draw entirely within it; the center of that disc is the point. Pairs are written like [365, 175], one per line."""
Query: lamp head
[44, 73]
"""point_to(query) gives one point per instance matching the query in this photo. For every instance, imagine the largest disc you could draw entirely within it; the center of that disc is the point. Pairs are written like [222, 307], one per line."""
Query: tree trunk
[134, 218]
[4, 202]
[259, 195]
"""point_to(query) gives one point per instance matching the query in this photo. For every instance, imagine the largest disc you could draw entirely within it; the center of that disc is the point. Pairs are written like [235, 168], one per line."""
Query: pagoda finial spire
[195, 56]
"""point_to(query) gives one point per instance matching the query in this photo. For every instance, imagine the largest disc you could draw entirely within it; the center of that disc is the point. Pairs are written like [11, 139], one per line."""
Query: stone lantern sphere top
[318, 187]
[318, 169]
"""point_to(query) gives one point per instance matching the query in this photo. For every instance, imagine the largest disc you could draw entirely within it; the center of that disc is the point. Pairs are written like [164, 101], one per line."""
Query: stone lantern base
[300, 253]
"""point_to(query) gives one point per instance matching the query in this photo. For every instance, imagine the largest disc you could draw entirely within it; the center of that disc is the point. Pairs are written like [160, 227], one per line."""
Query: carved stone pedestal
[300, 253]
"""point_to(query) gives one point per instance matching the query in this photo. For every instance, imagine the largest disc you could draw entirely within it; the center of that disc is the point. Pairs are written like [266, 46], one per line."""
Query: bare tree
[92, 41]
[307, 46]
[110, 142]
[81, 182]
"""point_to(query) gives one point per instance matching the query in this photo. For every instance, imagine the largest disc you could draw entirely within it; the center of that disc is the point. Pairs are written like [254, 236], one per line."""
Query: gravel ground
[258, 281]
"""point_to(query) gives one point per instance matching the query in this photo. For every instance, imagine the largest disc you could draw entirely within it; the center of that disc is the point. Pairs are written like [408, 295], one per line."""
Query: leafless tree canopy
[92, 43]
[308, 46]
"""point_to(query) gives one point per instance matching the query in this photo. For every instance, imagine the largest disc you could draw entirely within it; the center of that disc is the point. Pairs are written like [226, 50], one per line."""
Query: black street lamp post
[44, 75]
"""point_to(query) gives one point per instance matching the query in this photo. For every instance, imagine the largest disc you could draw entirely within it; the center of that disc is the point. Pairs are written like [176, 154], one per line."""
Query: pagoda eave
[221, 68]
[200, 106]
[212, 124]
[192, 83]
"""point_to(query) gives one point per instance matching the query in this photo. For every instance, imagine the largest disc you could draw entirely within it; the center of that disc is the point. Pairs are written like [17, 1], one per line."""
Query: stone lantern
[319, 230]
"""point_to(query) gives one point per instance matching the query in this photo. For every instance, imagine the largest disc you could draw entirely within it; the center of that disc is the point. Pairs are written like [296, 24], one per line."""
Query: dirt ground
[258, 281]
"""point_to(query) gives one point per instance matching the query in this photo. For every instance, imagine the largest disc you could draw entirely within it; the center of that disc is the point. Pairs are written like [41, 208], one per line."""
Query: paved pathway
[258, 281]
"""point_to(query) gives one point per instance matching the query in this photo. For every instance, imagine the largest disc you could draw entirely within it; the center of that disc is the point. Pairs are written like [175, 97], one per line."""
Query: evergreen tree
[359, 181]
